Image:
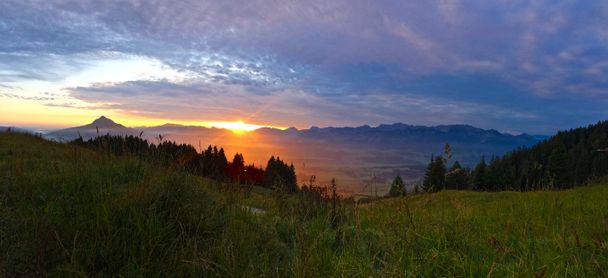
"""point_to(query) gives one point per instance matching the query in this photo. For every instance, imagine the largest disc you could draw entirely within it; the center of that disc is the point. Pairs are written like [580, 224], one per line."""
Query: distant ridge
[100, 126]
[383, 133]
[403, 132]
[401, 129]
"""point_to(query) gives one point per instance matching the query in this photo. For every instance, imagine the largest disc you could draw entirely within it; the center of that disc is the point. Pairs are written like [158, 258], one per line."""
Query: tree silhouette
[457, 178]
[236, 169]
[558, 166]
[479, 175]
[280, 176]
[397, 187]
[434, 178]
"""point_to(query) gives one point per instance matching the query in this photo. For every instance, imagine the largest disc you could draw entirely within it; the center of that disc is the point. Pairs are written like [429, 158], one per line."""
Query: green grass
[67, 211]
[508, 234]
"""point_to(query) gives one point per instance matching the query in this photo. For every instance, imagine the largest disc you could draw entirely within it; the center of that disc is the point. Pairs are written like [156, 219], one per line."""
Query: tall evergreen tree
[236, 169]
[495, 178]
[479, 175]
[207, 162]
[219, 164]
[279, 175]
[559, 168]
[434, 178]
[457, 178]
[397, 188]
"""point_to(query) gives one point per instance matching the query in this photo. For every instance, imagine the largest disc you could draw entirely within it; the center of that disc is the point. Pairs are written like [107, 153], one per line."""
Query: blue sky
[516, 66]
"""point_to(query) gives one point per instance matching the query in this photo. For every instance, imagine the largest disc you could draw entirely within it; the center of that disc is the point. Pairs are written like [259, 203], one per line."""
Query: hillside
[68, 211]
[570, 158]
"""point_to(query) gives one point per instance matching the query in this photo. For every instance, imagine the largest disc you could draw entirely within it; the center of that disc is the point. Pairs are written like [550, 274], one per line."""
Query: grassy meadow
[66, 211]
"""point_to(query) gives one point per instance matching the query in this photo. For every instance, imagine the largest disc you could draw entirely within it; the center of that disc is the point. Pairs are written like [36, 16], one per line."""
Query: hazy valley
[361, 159]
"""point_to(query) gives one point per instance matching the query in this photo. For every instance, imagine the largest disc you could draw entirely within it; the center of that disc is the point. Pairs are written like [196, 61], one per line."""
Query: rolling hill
[66, 211]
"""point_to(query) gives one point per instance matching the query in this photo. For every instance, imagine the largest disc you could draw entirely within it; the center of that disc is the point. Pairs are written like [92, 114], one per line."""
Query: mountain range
[358, 157]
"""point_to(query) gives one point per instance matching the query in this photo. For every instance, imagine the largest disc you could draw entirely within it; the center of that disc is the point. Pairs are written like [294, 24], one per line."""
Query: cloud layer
[513, 65]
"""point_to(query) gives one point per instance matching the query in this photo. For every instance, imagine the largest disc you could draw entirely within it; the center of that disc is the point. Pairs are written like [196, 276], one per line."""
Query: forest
[570, 158]
[210, 163]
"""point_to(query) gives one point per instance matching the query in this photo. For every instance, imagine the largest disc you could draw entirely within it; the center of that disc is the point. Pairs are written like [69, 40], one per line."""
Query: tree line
[570, 158]
[210, 163]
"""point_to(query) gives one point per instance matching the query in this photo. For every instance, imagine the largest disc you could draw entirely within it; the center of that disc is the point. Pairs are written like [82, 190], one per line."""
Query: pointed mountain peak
[103, 122]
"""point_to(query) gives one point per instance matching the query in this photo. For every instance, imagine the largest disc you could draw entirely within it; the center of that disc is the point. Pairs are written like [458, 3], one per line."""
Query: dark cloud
[515, 65]
[200, 100]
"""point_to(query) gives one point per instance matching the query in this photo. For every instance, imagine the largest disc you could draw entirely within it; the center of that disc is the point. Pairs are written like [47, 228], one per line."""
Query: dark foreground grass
[67, 211]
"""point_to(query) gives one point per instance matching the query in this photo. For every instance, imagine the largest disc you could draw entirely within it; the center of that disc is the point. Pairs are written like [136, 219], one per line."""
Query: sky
[516, 66]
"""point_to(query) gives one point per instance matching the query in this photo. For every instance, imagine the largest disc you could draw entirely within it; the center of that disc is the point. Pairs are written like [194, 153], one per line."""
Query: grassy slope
[507, 233]
[69, 211]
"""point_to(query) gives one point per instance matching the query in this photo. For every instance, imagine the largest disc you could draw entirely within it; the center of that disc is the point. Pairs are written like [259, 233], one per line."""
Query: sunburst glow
[238, 127]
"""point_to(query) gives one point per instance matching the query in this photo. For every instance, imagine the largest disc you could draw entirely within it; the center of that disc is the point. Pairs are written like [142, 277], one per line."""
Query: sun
[237, 127]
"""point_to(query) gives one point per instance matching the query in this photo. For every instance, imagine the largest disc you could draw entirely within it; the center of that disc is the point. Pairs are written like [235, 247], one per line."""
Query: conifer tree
[397, 188]
[236, 168]
[434, 178]
[479, 175]
[457, 178]
[559, 170]
[280, 175]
